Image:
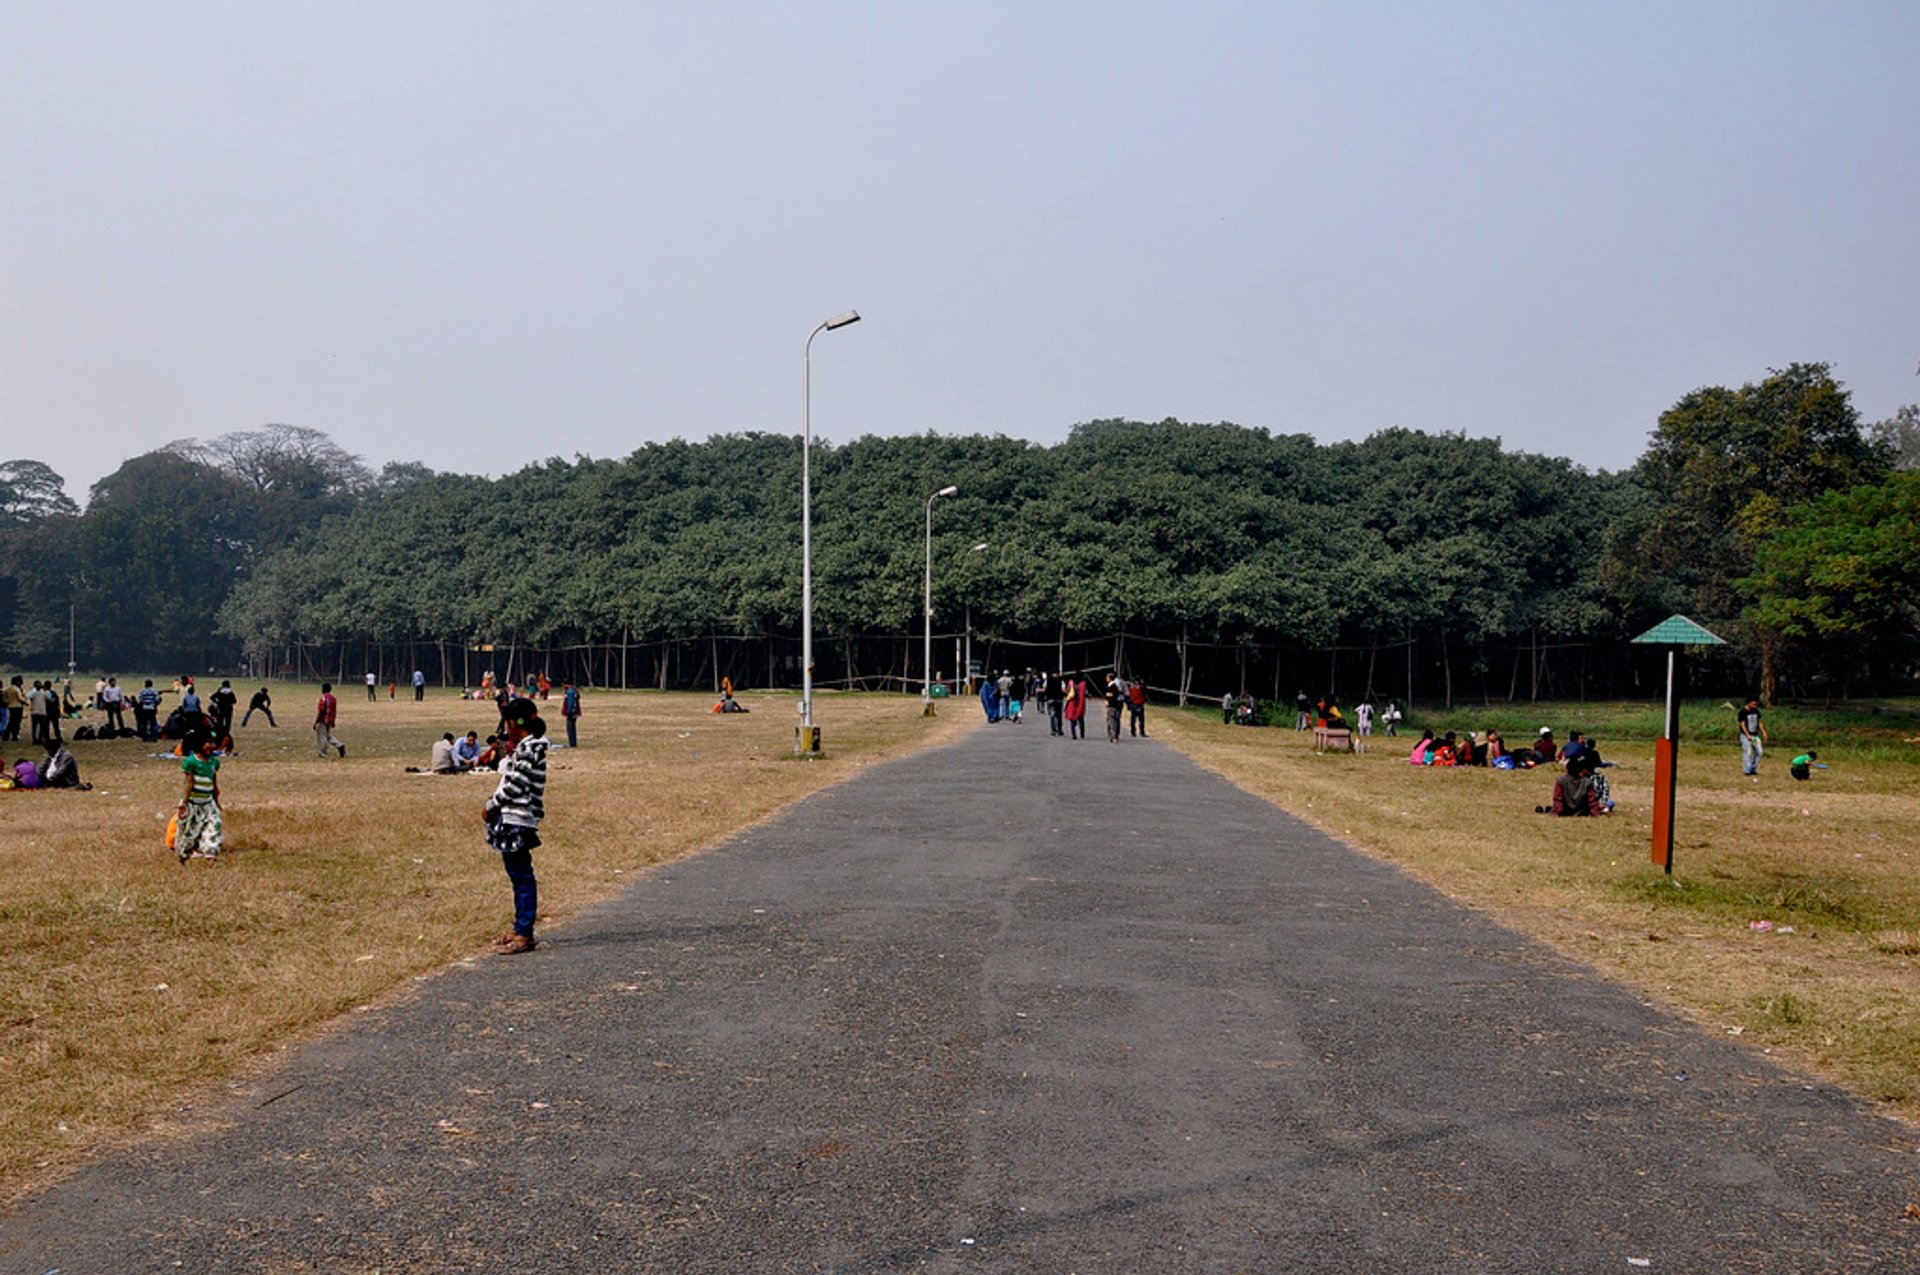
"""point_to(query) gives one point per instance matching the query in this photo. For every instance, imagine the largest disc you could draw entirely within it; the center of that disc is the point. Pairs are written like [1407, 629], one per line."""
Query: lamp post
[966, 670]
[808, 738]
[926, 696]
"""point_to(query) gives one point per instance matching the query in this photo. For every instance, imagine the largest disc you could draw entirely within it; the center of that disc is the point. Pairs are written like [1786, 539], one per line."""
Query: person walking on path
[1003, 693]
[200, 832]
[1753, 737]
[570, 709]
[1116, 695]
[325, 717]
[419, 685]
[512, 817]
[260, 703]
[1056, 696]
[1137, 708]
[1075, 710]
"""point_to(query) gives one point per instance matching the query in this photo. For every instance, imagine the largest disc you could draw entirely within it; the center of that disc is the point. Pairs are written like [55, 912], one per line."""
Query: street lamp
[926, 697]
[966, 668]
[808, 740]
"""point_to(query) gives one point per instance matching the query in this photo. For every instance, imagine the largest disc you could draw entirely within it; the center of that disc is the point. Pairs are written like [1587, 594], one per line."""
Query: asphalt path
[1017, 1004]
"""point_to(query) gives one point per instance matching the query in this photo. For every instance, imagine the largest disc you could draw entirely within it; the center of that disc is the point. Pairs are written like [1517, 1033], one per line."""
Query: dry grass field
[139, 982]
[136, 980]
[1792, 919]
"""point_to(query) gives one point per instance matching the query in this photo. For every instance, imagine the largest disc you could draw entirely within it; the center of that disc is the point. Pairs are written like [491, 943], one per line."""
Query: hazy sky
[479, 234]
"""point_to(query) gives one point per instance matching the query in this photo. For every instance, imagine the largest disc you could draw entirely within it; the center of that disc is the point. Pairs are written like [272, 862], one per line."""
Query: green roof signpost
[1673, 633]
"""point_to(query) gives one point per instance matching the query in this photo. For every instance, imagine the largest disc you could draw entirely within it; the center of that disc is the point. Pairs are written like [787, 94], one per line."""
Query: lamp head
[842, 320]
[946, 491]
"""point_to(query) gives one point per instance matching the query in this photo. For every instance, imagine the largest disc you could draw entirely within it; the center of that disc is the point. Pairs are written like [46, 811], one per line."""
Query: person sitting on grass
[1422, 754]
[60, 770]
[1575, 794]
[466, 752]
[440, 760]
[1803, 766]
[1545, 751]
[491, 755]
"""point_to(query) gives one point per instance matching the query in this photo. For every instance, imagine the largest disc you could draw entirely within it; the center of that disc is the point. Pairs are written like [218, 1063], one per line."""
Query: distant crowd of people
[1064, 697]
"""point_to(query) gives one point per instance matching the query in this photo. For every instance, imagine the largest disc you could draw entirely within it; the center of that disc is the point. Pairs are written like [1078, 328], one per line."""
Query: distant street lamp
[926, 697]
[808, 740]
[966, 671]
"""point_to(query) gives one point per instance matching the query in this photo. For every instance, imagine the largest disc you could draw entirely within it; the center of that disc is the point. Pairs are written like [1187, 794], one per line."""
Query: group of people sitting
[58, 769]
[458, 756]
[1489, 749]
[1581, 790]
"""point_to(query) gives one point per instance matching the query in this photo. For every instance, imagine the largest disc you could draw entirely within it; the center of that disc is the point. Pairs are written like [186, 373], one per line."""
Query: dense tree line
[1229, 549]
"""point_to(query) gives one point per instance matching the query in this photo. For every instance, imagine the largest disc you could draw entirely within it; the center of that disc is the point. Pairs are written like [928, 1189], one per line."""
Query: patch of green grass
[1720, 895]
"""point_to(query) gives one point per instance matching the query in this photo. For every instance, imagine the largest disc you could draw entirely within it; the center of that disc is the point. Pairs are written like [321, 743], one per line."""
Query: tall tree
[30, 491]
[1723, 467]
[1848, 563]
[1899, 434]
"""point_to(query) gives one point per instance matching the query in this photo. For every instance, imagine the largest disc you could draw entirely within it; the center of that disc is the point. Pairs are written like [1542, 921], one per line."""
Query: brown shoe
[516, 944]
[505, 939]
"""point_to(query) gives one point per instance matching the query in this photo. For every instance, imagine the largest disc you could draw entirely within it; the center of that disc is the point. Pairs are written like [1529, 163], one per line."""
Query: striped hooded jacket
[521, 796]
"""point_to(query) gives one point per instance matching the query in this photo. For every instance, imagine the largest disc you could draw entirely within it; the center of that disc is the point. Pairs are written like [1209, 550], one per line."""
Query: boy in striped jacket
[513, 815]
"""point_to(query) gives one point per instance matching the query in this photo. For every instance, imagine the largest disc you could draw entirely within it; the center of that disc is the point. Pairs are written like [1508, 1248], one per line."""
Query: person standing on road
[1003, 690]
[1076, 707]
[1116, 696]
[570, 709]
[325, 717]
[1137, 708]
[1753, 737]
[1056, 697]
[512, 817]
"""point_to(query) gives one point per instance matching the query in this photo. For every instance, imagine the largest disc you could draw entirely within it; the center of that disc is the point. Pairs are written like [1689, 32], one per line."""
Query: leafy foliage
[1211, 533]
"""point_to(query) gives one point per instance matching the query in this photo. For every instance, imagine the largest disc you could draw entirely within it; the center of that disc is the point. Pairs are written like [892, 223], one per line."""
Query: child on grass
[199, 810]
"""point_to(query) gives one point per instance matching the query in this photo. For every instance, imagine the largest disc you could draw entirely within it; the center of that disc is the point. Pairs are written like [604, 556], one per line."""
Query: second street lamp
[807, 738]
[926, 696]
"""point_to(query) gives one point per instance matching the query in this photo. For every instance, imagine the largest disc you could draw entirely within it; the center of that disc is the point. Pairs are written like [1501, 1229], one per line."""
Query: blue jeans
[1750, 750]
[573, 738]
[526, 891]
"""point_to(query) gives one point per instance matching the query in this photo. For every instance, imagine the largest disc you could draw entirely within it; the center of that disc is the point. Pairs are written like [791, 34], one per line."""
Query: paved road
[1015, 1005]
